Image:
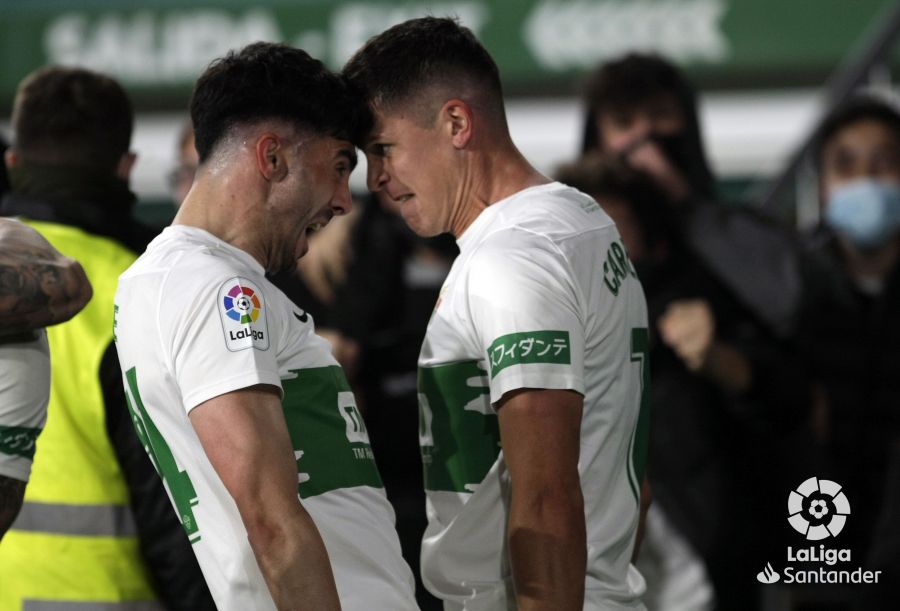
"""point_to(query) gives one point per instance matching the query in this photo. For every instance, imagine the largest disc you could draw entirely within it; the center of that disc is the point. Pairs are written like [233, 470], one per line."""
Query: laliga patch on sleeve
[242, 309]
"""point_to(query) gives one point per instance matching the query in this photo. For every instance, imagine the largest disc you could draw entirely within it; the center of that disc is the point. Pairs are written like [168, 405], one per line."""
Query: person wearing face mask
[849, 329]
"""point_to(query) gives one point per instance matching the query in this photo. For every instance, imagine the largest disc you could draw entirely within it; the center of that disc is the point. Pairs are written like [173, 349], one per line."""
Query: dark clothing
[164, 544]
[711, 452]
[750, 255]
[851, 342]
[392, 286]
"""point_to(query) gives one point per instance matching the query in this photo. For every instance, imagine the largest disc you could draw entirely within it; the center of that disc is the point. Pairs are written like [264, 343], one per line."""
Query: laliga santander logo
[241, 304]
[818, 509]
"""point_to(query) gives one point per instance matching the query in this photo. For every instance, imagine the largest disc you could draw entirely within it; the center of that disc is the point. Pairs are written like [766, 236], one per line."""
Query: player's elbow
[266, 528]
[556, 508]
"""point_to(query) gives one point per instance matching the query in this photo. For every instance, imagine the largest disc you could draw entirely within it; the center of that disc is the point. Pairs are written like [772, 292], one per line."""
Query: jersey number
[640, 353]
[176, 480]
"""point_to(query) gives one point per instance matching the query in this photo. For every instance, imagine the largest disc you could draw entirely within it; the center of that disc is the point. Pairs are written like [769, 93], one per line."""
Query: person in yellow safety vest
[96, 528]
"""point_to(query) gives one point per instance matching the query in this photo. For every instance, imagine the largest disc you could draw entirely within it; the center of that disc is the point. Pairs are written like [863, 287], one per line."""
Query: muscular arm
[12, 491]
[38, 286]
[540, 432]
[246, 439]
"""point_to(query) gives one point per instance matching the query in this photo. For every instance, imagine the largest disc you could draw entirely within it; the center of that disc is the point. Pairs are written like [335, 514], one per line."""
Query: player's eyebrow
[350, 154]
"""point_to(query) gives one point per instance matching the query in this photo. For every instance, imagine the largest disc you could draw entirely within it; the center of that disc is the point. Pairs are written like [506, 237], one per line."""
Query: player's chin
[415, 221]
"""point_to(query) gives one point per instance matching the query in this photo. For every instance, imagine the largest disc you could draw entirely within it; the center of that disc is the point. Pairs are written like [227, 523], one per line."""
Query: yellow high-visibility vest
[74, 544]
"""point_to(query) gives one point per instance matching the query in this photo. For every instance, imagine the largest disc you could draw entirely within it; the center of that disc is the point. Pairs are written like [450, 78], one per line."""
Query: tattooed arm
[38, 285]
[12, 491]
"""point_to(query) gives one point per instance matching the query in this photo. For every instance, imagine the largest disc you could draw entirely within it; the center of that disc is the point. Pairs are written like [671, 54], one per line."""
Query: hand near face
[688, 327]
[647, 156]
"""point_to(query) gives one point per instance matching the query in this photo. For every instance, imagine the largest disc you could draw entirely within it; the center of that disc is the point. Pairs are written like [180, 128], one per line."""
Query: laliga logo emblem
[818, 509]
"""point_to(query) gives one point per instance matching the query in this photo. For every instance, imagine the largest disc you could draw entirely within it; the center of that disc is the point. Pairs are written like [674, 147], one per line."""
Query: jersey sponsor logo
[529, 347]
[303, 317]
[18, 440]
[328, 433]
[242, 310]
[459, 434]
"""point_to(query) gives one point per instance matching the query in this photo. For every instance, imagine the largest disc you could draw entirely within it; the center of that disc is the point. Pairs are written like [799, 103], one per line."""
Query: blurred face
[412, 167]
[621, 129]
[864, 149]
[314, 190]
[627, 132]
[182, 177]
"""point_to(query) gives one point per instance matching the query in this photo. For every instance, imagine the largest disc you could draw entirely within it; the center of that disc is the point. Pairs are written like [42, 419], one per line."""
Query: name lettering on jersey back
[617, 267]
[241, 307]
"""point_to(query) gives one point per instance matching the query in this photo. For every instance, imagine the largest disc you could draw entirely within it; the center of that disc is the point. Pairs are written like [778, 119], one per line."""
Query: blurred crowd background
[748, 150]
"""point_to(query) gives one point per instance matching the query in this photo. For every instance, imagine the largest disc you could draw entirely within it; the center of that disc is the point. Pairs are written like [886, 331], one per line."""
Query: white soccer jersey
[24, 394]
[196, 318]
[542, 295]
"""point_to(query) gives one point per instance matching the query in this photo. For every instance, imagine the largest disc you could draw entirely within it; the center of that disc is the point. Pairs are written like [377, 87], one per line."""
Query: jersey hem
[537, 381]
[245, 380]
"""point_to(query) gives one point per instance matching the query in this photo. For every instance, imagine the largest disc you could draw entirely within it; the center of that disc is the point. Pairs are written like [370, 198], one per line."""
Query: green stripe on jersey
[18, 440]
[529, 347]
[177, 480]
[327, 431]
[458, 430]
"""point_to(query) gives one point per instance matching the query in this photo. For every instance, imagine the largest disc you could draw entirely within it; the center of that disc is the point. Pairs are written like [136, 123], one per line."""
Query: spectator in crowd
[38, 287]
[76, 537]
[712, 365]
[850, 329]
[643, 109]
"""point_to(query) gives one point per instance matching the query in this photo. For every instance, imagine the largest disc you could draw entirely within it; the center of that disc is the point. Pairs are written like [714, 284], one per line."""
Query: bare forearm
[38, 286]
[11, 493]
[294, 563]
[548, 553]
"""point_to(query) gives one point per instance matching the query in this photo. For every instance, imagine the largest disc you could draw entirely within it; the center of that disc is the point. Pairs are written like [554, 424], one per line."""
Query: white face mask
[866, 212]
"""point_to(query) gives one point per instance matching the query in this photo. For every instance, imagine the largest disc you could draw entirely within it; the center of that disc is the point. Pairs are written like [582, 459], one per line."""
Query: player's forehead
[326, 148]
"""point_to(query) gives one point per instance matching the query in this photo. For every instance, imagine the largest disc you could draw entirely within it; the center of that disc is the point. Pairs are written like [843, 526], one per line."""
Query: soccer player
[241, 405]
[532, 370]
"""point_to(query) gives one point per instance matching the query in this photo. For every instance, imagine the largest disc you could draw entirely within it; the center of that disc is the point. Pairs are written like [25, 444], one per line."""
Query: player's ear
[456, 118]
[269, 154]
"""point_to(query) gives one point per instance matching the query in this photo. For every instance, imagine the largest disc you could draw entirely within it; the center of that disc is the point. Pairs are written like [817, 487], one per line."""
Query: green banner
[157, 48]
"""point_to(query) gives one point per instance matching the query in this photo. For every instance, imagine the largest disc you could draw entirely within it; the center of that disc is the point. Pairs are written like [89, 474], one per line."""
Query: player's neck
[222, 208]
[492, 177]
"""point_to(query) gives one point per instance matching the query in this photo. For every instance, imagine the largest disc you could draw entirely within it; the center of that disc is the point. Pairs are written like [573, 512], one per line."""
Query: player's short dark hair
[274, 81]
[860, 108]
[73, 117]
[395, 67]
[607, 176]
